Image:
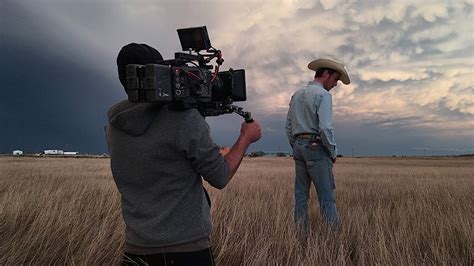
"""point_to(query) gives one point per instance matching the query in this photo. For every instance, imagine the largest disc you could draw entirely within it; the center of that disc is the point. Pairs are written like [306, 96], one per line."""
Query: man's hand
[334, 160]
[250, 132]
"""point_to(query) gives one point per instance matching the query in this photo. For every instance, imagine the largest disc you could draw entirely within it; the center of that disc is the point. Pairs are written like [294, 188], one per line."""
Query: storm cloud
[410, 62]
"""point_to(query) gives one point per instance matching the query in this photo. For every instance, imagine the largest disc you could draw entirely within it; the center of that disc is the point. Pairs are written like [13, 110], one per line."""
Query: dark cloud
[49, 99]
[51, 103]
[59, 77]
[273, 129]
[366, 139]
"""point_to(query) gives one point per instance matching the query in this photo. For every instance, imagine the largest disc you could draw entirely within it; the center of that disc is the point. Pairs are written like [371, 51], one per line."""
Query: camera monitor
[195, 39]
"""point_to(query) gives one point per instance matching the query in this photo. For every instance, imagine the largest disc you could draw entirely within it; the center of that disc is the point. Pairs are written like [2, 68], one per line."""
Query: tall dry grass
[402, 211]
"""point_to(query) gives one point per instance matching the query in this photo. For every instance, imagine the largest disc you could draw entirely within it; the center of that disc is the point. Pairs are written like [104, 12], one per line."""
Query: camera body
[187, 80]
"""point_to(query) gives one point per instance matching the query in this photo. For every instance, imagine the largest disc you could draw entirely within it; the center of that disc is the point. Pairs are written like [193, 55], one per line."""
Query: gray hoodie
[157, 158]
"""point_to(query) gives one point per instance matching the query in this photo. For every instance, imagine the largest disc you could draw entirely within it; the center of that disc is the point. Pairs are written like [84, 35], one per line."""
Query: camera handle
[239, 110]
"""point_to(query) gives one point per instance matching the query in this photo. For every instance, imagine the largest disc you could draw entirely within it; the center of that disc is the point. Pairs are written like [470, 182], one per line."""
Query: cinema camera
[187, 81]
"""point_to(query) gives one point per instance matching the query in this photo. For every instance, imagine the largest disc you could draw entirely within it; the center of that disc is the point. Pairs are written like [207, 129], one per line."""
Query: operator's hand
[251, 132]
[334, 160]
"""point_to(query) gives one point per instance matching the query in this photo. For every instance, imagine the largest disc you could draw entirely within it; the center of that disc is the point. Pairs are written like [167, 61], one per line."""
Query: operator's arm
[249, 133]
[194, 140]
[204, 153]
[325, 125]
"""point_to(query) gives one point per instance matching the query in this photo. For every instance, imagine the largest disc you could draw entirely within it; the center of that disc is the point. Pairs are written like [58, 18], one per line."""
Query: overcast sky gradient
[411, 65]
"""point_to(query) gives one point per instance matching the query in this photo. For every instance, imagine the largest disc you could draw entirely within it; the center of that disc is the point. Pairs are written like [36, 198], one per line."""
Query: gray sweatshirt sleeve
[193, 138]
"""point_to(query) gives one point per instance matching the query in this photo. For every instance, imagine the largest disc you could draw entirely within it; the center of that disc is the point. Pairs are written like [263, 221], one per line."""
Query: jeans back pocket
[313, 153]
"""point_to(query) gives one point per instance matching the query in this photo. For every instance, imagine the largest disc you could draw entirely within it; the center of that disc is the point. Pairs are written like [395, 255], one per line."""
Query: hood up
[133, 118]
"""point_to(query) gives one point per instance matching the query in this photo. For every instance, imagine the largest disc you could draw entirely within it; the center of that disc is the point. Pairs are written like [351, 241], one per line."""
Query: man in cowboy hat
[311, 135]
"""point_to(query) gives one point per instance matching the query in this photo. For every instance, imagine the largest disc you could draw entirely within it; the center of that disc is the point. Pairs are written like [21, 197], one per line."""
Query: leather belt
[310, 136]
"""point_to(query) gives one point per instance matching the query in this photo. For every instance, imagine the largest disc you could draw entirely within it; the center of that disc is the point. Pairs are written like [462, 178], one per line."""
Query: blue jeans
[313, 163]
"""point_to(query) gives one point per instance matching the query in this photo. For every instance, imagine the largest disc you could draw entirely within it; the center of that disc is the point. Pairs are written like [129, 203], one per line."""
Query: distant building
[276, 154]
[71, 153]
[53, 152]
[269, 154]
[17, 152]
[257, 154]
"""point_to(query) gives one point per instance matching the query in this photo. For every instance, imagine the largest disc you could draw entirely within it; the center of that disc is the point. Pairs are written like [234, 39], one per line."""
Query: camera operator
[159, 157]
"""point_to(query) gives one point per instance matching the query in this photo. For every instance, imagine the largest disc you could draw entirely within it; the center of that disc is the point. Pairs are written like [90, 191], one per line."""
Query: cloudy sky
[411, 64]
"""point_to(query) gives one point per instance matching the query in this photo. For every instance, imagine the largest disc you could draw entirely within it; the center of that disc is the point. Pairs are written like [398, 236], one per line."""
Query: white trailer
[17, 152]
[53, 152]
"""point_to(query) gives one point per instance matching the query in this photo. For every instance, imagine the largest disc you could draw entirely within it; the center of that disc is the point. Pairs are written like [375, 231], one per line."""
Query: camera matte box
[234, 81]
[239, 87]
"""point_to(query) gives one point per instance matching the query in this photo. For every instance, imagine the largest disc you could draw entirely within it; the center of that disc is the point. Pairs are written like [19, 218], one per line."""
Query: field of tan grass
[404, 211]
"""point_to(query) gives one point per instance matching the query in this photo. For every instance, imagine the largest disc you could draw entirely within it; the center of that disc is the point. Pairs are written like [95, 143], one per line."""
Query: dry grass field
[403, 211]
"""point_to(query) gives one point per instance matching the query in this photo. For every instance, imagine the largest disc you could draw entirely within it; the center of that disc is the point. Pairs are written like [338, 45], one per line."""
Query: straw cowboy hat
[331, 64]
